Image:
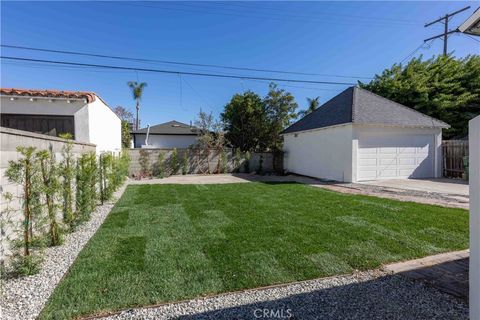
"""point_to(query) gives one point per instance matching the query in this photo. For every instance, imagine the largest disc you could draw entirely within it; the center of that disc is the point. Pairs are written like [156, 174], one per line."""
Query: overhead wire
[96, 55]
[200, 74]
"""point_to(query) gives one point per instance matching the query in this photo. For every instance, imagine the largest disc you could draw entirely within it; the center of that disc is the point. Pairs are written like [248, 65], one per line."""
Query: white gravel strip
[24, 298]
[363, 295]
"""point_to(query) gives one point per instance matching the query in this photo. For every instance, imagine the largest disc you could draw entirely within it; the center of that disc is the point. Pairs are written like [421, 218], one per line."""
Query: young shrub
[25, 172]
[223, 161]
[175, 164]
[50, 188]
[144, 161]
[160, 166]
[106, 176]
[237, 160]
[86, 185]
[247, 162]
[185, 163]
[260, 165]
[67, 171]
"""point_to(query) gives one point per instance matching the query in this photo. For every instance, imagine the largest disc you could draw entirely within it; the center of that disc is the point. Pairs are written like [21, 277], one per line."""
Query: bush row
[56, 197]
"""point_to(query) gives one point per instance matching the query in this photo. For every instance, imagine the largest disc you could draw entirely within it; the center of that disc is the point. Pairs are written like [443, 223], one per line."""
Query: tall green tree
[442, 87]
[280, 107]
[245, 121]
[137, 92]
[313, 104]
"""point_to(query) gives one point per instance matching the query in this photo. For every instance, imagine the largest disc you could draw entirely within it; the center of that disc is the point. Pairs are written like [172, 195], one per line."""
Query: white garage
[359, 136]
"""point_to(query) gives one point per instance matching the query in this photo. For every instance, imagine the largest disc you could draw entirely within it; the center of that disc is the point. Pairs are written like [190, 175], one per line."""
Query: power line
[473, 38]
[89, 54]
[68, 63]
[421, 46]
[371, 23]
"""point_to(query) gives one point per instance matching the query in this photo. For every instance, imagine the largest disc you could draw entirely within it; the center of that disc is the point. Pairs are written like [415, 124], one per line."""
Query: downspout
[148, 133]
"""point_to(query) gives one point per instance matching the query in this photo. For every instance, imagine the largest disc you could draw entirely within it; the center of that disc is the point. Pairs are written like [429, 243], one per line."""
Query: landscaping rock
[24, 298]
[363, 295]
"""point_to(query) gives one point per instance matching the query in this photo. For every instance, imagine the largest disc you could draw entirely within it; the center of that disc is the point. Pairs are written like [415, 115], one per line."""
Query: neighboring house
[358, 135]
[82, 114]
[172, 134]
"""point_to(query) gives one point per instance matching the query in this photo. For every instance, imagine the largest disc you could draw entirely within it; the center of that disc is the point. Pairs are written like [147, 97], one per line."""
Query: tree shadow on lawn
[387, 297]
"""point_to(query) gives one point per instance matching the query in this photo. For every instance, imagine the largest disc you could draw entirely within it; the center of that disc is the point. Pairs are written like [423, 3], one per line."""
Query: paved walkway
[447, 272]
[378, 190]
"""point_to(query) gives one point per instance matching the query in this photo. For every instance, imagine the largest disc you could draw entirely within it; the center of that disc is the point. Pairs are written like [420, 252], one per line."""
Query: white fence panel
[474, 169]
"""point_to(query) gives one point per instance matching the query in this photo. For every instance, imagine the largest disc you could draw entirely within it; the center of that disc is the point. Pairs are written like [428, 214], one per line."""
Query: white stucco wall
[165, 141]
[323, 153]
[474, 182]
[332, 152]
[105, 128]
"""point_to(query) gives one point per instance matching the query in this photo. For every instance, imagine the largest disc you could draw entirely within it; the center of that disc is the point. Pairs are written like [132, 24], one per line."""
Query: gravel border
[363, 295]
[24, 298]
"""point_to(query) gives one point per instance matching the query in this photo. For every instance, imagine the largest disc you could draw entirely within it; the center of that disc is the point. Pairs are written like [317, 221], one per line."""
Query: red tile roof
[89, 96]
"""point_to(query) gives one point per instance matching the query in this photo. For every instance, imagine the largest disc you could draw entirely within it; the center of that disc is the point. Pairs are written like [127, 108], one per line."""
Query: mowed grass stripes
[170, 242]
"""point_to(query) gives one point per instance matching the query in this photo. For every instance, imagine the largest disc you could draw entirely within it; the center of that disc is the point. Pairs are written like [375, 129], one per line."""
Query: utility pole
[446, 32]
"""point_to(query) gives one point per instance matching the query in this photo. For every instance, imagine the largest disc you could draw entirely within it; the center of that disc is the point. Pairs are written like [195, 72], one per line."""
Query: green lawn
[169, 242]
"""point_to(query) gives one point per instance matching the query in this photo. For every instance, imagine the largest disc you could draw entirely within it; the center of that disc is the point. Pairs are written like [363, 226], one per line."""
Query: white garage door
[389, 156]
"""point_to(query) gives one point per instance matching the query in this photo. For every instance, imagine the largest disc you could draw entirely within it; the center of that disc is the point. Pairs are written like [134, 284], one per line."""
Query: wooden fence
[454, 153]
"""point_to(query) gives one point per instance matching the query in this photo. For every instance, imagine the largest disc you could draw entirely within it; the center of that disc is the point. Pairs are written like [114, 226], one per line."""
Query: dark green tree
[280, 107]
[245, 121]
[442, 87]
[126, 138]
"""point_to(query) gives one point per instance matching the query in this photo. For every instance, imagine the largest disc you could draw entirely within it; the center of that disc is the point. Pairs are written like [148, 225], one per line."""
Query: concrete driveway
[440, 185]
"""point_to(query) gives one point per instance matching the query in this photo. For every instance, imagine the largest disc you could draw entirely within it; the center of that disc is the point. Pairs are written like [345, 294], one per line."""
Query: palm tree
[313, 104]
[137, 91]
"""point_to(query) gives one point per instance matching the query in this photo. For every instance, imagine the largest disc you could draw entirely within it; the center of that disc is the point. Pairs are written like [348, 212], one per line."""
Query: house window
[51, 125]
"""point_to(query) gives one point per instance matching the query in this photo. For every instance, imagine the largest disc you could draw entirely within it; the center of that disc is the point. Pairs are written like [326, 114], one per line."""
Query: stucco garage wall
[164, 141]
[323, 153]
[401, 137]
[105, 128]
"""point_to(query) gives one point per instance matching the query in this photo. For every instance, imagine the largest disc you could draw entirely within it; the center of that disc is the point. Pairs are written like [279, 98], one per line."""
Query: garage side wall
[323, 153]
[105, 128]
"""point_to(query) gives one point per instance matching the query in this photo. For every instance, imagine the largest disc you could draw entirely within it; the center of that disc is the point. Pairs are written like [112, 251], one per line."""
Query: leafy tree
[280, 109]
[442, 87]
[137, 92]
[211, 136]
[123, 114]
[50, 188]
[126, 138]
[245, 121]
[127, 120]
[313, 104]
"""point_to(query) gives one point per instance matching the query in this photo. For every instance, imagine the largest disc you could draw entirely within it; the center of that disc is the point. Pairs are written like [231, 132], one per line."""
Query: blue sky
[333, 38]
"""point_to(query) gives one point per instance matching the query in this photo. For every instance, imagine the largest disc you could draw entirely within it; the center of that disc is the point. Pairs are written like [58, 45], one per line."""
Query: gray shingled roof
[171, 127]
[356, 105]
